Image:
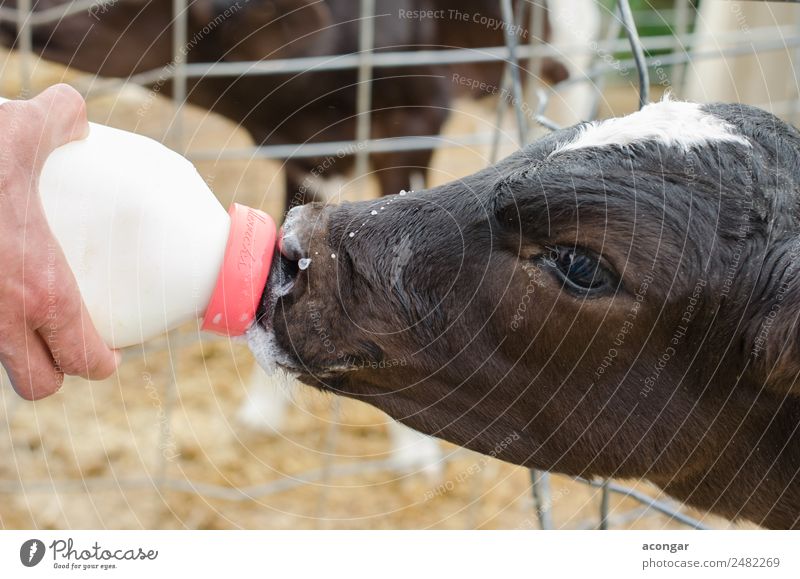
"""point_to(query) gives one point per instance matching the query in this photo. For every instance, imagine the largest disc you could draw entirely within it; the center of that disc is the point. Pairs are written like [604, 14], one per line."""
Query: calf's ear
[774, 329]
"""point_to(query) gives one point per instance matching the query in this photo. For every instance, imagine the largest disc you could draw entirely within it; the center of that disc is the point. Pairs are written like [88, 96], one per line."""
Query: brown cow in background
[127, 37]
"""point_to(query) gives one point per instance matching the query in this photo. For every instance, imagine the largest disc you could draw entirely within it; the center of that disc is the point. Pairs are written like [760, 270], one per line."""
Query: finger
[74, 343]
[37, 126]
[30, 366]
[64, 114]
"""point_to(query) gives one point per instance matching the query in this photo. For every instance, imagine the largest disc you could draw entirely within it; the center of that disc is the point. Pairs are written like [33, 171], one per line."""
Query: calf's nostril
[289, 243]
[289, 246]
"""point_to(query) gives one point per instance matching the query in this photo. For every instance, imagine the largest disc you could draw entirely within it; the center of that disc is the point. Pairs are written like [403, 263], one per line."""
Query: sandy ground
[158, 446]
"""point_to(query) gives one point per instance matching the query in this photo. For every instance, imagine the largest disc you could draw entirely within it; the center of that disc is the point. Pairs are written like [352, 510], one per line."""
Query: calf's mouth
[288, 334]
[261, 336]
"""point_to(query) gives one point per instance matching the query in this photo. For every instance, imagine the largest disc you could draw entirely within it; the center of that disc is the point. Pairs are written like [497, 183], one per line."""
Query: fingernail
[118, 357]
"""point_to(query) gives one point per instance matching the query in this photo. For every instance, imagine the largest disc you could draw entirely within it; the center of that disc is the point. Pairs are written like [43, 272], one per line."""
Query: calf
[618, 299]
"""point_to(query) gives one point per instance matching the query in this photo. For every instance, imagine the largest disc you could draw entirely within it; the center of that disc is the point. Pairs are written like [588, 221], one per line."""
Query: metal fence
[517, 81]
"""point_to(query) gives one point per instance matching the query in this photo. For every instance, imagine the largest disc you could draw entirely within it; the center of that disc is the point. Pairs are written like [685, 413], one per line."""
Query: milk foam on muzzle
[149, 244]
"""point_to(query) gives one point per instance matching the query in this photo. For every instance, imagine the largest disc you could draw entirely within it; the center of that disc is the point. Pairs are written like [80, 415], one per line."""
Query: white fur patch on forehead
[672, 123]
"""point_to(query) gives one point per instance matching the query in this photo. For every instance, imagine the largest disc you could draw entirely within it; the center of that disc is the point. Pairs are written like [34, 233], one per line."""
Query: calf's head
[616, 299]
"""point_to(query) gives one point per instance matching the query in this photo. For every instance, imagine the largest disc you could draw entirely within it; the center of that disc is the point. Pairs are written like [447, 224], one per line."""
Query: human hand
[45, 330]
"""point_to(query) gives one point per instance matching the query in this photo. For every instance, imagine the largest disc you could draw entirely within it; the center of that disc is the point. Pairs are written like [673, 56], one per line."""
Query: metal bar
[287, 483]
[763, 42]
[505, 83]
[435, 141]
[644, 91]
[25, 36]
[536, 28]
[605, 495]
[179, 43]
[539, 116]
[328, 452]
[246, 493]
[638, 52]
[682, 20]
[655, 504]
[494, 149]
[56, 13]
[540, 489]
[614, 521]
[338, 147]
[400, 59]
[614, 27]
[160, 480]
[477, 481]
[366, 43]
[540, 481]
[644, 98]
[767, 45]
[513, 67]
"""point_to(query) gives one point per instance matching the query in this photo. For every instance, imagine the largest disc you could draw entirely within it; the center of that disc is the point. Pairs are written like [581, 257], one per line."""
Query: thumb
[63, 114]
[39, 125]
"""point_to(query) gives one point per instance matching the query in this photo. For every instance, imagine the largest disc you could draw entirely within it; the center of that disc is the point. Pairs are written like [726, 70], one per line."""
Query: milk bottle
[149, 244]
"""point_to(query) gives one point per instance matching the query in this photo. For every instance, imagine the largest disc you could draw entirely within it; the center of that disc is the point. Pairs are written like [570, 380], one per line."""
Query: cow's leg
[267, 402]
[401, 170]
[296, 176]
[396, 170]
[305, 183]
[413, 451]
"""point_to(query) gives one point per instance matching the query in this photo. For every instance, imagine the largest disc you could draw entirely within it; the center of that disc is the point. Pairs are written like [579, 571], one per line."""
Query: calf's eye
[580, 270]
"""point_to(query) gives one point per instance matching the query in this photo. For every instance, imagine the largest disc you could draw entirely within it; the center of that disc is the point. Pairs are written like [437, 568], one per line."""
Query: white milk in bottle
[149, 244]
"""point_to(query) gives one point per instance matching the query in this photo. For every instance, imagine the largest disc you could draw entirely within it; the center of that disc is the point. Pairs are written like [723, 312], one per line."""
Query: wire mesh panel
[160, 476]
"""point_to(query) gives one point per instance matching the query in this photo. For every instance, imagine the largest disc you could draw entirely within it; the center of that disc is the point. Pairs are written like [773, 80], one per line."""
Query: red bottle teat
[244, 272]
